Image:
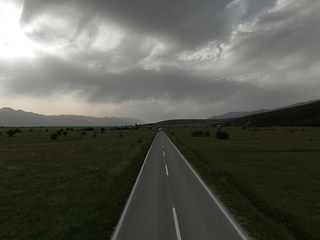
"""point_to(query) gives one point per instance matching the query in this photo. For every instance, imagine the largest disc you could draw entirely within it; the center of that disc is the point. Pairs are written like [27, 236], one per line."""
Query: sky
[158, 59]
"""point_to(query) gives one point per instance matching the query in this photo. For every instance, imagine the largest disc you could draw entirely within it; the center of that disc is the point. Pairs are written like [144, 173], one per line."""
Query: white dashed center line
[176, 224]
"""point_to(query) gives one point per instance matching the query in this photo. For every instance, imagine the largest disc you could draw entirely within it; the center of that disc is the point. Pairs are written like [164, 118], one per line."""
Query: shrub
[198, 133]
[88, 129]
[13, 132]
[65, 133]
[222, 135]
[81, 134]
[54, 136]
[59, 132]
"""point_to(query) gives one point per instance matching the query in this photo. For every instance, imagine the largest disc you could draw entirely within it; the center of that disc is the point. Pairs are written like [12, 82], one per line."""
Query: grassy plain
[268, 177]
[69, 188]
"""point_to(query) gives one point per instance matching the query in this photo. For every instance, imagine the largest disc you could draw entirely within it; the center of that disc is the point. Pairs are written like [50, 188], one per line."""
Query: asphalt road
[169, 201]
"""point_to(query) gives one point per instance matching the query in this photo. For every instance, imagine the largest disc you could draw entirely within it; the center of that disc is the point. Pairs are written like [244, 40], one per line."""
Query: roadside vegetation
[268, 177]
[67, 183]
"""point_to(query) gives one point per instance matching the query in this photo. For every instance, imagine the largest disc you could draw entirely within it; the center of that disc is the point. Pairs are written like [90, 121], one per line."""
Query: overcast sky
[158, 59]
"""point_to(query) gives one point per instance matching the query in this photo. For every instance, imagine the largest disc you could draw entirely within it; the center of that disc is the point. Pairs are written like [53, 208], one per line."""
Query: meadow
[74, 187]
[268, 177]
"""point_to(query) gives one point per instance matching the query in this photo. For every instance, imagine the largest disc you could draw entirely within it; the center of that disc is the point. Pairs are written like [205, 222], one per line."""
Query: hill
[185, 122]
[13, 118]
[231, 115]
[238, 114]
[302, 115]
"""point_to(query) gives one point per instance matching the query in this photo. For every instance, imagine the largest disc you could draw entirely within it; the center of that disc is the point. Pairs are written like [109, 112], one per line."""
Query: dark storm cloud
[187, 23]
[176, 56]
[54, 75]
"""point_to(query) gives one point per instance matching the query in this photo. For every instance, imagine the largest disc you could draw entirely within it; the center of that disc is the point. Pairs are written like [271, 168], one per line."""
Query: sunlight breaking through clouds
[13, 42]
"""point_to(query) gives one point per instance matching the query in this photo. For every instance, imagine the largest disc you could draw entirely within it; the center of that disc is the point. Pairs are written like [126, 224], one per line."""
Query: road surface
[169, 201]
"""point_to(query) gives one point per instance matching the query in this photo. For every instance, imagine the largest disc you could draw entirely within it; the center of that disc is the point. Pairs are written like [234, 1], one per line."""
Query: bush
[13, 132]
[198, 133]
[54, 136]
[222, 135]
[59, 132]
[88, 129]
[81, 134]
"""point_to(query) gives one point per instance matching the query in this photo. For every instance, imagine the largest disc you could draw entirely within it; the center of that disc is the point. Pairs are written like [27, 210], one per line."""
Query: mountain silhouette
[13, 118]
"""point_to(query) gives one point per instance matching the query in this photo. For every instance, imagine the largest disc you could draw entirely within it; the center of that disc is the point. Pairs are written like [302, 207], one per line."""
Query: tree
[12, 132]
[222, 135]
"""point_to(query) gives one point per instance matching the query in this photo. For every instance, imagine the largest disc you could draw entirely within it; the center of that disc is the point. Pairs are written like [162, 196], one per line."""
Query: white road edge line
[212, 196]
[176, 224]
[116, 232]
[167, 170]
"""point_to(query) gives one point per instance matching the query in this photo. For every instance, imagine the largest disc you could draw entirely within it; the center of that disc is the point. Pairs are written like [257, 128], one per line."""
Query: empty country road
[170, 202]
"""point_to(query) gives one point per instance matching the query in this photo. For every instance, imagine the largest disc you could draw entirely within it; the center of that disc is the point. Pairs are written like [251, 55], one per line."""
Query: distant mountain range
[18, 118]
[232, 115]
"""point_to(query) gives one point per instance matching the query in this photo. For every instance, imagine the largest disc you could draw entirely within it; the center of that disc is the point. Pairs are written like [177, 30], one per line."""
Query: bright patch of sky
[13, 42]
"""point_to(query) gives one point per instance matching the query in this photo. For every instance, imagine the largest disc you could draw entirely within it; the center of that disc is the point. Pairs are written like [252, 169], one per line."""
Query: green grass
[68, 188]
[268, 177]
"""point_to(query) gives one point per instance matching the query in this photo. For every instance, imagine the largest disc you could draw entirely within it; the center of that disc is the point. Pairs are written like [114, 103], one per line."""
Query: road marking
[162, 146]
[167, 170]
[176, 224]
[225, 213]
[164, 154]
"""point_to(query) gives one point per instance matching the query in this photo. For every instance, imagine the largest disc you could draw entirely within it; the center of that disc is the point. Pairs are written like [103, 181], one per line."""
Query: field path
[169, 201]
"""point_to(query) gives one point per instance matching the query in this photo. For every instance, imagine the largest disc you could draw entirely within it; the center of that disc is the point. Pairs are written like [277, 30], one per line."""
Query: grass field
[269, 177]
[69, 188]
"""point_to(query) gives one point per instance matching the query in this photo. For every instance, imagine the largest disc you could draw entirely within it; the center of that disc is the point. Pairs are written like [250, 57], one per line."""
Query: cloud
[280, 39]
[180, 23]
[162, 59]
